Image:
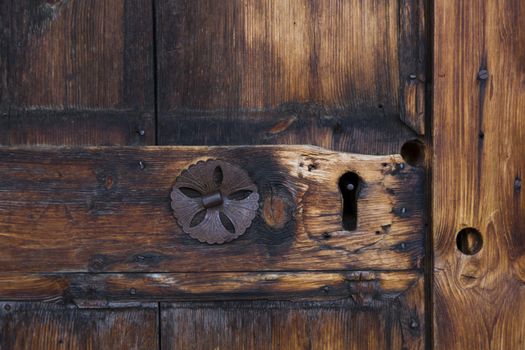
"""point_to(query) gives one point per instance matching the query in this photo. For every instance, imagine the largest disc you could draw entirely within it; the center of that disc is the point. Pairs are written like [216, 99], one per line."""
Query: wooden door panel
[30, 326]
[479, 164]
[79, 72]
[383, 323]
[330, 73]
[93, 227]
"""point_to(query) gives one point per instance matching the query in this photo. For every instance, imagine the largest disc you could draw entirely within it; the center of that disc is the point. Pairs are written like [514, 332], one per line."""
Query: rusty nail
[403, 210]
[413, 324]
[132, 291]
[350, 187]
[483, 74]
[141, 131]
[412, 76]
[325, 289]
[142, 166]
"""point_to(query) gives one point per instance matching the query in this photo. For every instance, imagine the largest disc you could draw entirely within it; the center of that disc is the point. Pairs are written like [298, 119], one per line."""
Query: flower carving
[214, 201]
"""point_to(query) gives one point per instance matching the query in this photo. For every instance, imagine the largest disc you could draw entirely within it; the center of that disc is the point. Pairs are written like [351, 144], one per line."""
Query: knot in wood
[214, 201]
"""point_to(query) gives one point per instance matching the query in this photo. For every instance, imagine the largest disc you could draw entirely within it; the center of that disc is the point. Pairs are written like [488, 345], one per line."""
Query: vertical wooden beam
[478, 167]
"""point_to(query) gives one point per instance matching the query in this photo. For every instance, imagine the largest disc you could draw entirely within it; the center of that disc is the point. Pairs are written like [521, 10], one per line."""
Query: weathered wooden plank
[412, 63]
[294, 124]
[108, 209]
[5, 33]
[47, 326]
[79, 128]
[269, 72]
[389, 324]
[66, 67]
[256, 55]
[360, 286]
[478, 167]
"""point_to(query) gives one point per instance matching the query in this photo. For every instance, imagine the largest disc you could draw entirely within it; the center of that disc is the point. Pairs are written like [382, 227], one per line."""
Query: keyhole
[349, 187]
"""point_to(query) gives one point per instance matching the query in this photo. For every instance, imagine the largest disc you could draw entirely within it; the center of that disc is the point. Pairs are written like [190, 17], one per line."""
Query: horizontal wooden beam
[84, 289]
[108, 210]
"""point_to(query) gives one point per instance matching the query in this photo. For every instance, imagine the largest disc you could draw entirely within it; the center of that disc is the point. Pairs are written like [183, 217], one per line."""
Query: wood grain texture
[364, 287]
[412, 63]
[298, 72]
[79, 66]
[5, 33]
[396, 323]
[256, 55]
[95, 210]
[30, 326]
[478, 167]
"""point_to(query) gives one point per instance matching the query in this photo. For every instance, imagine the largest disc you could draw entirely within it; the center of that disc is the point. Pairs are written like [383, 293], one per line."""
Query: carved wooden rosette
[214, 201]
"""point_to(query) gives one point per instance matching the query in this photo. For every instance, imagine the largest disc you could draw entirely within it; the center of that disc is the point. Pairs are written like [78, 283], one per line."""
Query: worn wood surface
[78, 288]
[78, 72]
[31, 326]
[396, 323]
[478, 167]
[332, 73]
[295, 72]
[413, 63]
[95, 209]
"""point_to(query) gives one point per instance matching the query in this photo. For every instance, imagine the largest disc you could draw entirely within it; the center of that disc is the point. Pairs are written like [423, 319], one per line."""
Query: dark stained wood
[295, 72]
[396, 323]
[478, 168]
[79, 72]
[111, 287]
[5, 30]
[95, 209]
[29, 326]
[412, 63]
[293, 124]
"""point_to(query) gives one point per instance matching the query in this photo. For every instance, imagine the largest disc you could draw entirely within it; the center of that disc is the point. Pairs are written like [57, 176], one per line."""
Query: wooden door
[261, 174]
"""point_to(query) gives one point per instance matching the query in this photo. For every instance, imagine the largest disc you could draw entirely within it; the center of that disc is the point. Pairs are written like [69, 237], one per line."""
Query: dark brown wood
[29, 326]
[479, 163]
[295, 72]
[5, 33]
[100, 210]
[78, 72]
[396, 323]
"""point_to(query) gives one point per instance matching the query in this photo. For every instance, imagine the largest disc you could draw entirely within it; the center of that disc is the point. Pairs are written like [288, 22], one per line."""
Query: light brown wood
[256, 55]
[478, 167]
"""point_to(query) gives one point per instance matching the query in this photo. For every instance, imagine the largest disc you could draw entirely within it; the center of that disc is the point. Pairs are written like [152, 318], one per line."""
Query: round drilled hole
[469, 241]
[413, 152]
